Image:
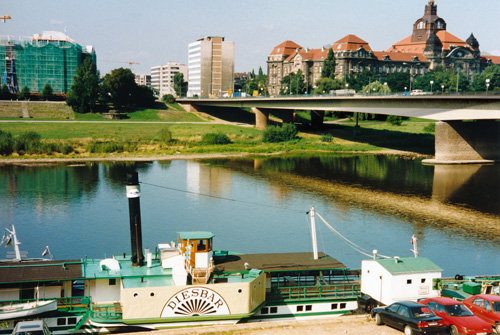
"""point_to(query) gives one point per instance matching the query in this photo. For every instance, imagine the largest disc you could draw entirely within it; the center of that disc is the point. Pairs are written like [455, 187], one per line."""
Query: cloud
[55, 22]
[496, 52]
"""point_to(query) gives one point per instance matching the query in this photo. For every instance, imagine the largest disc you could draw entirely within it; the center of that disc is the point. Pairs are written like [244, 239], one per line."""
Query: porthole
[240, 290]
[152, 294]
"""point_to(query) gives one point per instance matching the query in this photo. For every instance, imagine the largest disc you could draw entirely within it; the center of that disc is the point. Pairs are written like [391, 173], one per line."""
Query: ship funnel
[134, 207]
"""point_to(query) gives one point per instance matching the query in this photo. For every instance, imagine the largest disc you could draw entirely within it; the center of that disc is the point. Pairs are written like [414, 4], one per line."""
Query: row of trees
[25, 94]
[118, 89]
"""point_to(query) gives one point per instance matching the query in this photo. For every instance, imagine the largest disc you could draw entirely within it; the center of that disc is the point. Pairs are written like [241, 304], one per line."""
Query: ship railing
[106, 311]
[315, 292]
[69, 303]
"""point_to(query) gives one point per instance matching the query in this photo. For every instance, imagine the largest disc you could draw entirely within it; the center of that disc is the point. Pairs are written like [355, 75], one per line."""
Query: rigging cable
[352, 244]
[221, 198]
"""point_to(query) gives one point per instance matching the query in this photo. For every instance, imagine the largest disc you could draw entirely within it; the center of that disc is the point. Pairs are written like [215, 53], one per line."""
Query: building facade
[143, 79]
[51, 57]
[162, 77]
[211, 67]
[428, 47]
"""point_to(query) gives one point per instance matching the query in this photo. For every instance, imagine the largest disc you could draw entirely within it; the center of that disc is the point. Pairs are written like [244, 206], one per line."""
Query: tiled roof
[350, 43]
[399, 56]
[313, 54]
[285, 48]
[447, 39]
[494, 59]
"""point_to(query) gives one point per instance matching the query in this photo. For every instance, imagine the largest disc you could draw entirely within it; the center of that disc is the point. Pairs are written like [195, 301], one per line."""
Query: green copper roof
[195, 235]
[408, 265]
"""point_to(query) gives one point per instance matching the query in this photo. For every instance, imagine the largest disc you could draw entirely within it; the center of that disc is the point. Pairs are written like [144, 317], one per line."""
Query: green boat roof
[195, 235]
[408, 265]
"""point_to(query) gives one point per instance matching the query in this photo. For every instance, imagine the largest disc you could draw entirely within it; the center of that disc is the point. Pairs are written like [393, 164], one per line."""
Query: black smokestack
[134, 207]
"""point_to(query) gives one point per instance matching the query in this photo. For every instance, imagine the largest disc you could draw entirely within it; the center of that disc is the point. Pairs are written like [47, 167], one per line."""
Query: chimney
[134, 207]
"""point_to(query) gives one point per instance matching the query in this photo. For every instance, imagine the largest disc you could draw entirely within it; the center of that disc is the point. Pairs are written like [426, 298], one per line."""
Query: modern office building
[162, 77]
[211, 67]
[429, 46]
[51, 57]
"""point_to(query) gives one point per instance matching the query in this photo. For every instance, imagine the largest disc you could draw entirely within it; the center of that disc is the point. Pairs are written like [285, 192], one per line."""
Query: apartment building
[162, 77]
[211, 67]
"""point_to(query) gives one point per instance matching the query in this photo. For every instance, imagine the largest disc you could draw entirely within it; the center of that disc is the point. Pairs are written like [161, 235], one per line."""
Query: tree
[4, 92]
[121, 87]
[328, 70]
[376, 88]
[25, 93]
[326, 85]
[144, 96]
[492, 73]
[256, 83]
[47, 92]
[180, 86]
[398, 81]
[359, 80]
[85, 91]
[293, 83]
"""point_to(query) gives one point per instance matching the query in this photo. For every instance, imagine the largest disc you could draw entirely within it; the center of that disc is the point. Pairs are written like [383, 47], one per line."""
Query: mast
[313, 233]
[415, 247]
[16, 243]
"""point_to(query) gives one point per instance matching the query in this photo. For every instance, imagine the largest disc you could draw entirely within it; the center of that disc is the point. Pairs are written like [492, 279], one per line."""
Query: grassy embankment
[144, 139]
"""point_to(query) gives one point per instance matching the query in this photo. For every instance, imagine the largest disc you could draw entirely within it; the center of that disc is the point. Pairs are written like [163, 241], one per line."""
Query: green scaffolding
[38, 62]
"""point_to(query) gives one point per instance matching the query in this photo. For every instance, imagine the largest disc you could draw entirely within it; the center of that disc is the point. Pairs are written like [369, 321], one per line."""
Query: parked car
[487, 307]
[36, 327]
[410, 317]
[457, 317]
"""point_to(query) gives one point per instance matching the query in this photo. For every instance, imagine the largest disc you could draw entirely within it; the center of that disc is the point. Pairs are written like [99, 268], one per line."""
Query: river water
[259, 206]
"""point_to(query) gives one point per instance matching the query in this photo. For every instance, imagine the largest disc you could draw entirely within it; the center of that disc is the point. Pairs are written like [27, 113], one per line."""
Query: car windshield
[457, 310]
[496, 307]
[421, 312]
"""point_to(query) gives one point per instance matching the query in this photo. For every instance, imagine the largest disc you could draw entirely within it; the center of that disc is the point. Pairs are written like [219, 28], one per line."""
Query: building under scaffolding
[51, 57]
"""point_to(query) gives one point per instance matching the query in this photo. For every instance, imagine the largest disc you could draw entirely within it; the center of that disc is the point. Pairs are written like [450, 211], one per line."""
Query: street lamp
[432, 83]
[385, 87]
[487, 85]
[442, 89]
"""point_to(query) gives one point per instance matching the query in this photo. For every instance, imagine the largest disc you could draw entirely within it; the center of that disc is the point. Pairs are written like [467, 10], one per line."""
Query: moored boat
[26, 309]
[178, 284]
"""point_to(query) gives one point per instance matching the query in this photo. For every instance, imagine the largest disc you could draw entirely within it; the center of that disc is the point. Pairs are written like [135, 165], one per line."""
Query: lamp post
[442, 89]
[432, 83]
[487, 85]
[385, 88]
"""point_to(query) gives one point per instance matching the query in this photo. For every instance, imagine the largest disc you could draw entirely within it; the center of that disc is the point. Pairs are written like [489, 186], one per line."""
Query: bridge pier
[458, 142]
[317, 118]
[261, 117]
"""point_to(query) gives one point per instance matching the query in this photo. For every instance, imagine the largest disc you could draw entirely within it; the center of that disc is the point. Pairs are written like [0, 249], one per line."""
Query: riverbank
[352, 324]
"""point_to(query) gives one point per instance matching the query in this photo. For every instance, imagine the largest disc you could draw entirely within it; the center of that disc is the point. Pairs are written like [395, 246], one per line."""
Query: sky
[155, 32]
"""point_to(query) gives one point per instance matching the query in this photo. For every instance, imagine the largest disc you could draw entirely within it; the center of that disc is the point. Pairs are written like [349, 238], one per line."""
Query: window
[408, 281]
[335, 306]
[487, 305]
[300, 308]
[393, 308]
[71, 321]
[112, 282]
[422, 280]
[274, 310]
[342, 305]
[61, 321]
[404, 312]
[308, 308]
[264, 310]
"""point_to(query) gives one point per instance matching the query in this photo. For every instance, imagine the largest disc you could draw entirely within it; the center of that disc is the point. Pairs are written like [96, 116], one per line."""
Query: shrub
[215, 138]
[395, 120]
[280, 134]
[164, 135]
[104, 147]
[27, 142]
[326, 138]
[168, 98]
[6, 143]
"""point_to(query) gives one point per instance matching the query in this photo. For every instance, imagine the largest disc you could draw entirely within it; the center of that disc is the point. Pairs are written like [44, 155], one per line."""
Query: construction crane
[5, 17]
[116, 61]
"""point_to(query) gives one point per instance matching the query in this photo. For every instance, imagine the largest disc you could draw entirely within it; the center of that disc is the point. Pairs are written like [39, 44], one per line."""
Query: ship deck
[274, 262]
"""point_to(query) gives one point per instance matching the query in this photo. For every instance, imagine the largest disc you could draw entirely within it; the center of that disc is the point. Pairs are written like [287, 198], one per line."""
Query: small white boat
[27, 309]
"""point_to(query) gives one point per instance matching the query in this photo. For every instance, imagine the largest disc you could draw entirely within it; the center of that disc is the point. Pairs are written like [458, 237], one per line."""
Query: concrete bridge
[468, 130]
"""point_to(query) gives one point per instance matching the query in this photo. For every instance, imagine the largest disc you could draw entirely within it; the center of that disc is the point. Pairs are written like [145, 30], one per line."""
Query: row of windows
[302, 308]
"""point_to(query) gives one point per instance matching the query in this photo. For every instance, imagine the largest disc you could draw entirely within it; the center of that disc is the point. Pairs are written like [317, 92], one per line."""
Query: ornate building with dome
[428, 47]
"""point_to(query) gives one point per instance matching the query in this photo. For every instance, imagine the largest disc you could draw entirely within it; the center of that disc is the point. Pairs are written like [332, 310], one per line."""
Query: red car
[487, 307]
[457, 316]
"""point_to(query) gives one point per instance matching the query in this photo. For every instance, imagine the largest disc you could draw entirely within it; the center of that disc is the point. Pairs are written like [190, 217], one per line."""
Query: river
[260, 205]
